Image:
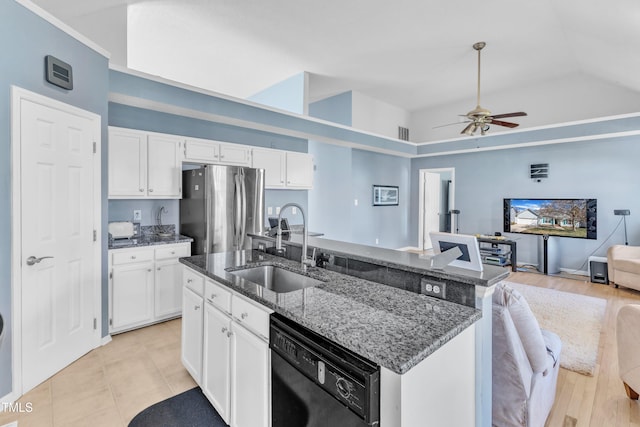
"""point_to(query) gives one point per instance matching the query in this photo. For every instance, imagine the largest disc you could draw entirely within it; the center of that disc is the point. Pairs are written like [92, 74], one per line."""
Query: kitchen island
[426, 347]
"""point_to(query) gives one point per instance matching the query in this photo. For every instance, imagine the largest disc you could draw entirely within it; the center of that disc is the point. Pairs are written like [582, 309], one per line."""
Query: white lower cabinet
[236, 360]
[145, 285]
[192, 309]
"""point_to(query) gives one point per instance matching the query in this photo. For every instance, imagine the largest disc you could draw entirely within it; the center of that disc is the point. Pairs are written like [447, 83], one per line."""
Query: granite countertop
[409, 261]
[148, 240]
[394, 328]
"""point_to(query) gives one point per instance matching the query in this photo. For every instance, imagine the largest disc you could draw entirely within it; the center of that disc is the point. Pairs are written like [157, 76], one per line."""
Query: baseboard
[105, 340]
[575, 272]
[409, 248]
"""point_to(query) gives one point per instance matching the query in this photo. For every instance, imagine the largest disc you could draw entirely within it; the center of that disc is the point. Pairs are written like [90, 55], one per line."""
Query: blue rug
[188, 409]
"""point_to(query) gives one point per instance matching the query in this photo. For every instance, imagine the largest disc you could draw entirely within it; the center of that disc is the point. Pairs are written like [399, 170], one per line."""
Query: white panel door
[235, 154]
[299, 170]
[431, 188]
[273, 162]
[168, 288]
[57, 214]
[192, 326]
[132, 295]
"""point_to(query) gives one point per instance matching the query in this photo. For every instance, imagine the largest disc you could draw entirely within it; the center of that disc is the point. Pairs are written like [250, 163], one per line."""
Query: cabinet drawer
[173, 252]
[251, 316]
[193, 281]
[129, 257]
[217, 295]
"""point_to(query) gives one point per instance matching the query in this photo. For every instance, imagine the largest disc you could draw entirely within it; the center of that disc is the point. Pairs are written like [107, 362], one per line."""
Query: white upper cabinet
[284, 169]
[274, 164]
[299, 170]
[209, 151]
[144, 165]
[127, 163]
[164, 167]
[201, 150]
[235, 154]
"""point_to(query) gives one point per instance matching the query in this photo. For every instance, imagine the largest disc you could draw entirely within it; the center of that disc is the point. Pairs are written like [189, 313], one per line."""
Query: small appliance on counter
[121, 230]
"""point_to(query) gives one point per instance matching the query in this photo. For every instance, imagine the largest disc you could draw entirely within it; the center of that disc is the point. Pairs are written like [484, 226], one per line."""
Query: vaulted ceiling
[414, 54]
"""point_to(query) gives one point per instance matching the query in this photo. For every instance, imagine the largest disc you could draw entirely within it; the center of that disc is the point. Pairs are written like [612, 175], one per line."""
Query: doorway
[436, 203]
[56, 245]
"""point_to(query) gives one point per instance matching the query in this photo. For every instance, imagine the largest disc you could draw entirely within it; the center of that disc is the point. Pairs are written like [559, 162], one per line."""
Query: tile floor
[109, 385]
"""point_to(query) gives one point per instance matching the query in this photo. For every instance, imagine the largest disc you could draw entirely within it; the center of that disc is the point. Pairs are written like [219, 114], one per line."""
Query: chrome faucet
[304, 261]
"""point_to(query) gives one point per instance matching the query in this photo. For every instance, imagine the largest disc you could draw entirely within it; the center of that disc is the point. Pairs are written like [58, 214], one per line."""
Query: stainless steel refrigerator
[220, 205]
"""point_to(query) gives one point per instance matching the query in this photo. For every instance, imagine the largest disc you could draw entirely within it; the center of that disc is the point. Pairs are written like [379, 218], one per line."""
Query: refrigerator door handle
[243, 212]
[237, 217]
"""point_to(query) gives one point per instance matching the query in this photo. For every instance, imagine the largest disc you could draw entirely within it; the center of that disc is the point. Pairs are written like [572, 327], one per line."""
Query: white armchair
[526, 361]
[623, 263]
[628, 339]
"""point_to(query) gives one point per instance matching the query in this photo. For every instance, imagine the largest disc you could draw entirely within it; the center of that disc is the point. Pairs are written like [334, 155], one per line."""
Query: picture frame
[385, 195]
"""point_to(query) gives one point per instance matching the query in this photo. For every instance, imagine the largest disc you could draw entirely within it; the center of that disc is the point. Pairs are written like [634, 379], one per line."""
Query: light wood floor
[111, 384]
[598, 401]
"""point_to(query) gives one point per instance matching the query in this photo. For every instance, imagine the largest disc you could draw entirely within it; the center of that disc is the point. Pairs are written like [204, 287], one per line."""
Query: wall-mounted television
[552, 217]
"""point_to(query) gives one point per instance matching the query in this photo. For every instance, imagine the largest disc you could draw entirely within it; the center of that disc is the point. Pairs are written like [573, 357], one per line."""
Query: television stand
[494, 250]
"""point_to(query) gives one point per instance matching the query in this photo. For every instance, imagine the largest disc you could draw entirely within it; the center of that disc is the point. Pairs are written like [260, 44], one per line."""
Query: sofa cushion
[628, 265]
[526, 325]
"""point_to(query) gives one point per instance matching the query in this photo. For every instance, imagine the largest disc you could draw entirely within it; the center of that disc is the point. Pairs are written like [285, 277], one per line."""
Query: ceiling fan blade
[505, 124]
[450, 124]
[504, 116]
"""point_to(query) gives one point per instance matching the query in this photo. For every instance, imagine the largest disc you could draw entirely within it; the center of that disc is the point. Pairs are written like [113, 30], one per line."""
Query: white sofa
[628, 339]
[623, 263]
[526, 361]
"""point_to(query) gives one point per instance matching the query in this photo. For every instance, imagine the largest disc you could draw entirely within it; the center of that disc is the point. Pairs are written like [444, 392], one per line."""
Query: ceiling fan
[480, 118]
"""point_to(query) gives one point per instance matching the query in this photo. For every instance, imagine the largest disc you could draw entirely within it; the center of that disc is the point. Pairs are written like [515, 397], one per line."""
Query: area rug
[188, 409]
[577, 319]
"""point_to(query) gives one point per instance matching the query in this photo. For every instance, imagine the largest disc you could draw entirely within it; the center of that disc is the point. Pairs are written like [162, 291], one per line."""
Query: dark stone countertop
[148, 240]
[408, 261]
[392, 327]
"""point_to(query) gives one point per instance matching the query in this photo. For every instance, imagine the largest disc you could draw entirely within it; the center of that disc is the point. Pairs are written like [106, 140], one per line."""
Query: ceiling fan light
[484, 129]
[470, 129]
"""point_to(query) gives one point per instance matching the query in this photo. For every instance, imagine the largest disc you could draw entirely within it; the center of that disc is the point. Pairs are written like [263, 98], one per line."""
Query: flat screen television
[552, 217]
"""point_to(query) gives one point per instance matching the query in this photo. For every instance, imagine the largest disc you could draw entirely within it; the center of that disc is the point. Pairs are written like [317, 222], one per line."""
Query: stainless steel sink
[276, 279]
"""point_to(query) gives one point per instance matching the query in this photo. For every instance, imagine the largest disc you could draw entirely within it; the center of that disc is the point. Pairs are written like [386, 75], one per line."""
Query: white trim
[17, 95]
[105, 340]
[158, 79]
[452, 202]
[533, 128]
[583, 138]
[11, 424]
[217, 118]
[63, 27]
[9, 398]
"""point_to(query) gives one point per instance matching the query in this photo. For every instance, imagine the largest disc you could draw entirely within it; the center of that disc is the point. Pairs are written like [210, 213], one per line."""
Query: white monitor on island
[469, 259]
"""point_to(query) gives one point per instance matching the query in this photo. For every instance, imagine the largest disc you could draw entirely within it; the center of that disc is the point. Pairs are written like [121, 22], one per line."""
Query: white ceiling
[414, 54]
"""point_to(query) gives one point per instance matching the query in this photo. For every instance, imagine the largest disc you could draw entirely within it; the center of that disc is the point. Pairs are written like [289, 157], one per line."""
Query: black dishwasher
[317, 383]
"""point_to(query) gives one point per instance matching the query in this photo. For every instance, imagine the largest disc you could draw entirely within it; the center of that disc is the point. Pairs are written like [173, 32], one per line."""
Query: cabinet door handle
[189, 280]
[159, 268]
[173, 252]
[214, 296]
[151, 190]
[244, 315]
[142, 190]
[224, 330]
[229, 334]
[149, 270]
[197, 307]
[133, 257]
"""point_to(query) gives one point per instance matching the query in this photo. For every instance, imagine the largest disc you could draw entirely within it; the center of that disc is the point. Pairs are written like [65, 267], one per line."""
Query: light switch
[294, 210]
[270, 210]
[277, 210]
[355, 202]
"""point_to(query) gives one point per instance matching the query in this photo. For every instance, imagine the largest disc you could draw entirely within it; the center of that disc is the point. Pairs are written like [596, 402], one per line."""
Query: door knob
[33, 260]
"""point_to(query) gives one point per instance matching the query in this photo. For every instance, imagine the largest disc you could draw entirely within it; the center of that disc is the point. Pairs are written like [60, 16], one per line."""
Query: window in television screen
[554, 217]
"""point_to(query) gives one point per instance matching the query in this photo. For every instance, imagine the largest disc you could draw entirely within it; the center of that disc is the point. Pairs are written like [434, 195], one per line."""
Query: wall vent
[403, 133]
[539, 171]
[58, 72]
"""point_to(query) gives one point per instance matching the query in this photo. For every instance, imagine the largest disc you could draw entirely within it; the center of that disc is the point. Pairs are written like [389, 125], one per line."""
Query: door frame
[452, 192]
[17, 95]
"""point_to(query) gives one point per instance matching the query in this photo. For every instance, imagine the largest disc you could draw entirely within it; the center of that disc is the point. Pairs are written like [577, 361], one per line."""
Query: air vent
[58, 72]
[403, 133]
[539, 171]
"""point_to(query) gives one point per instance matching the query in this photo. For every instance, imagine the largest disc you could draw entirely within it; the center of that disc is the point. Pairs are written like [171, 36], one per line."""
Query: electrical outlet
[294, 210]
[433, 288]
[277, 210]
[270, 210]
[137, 215]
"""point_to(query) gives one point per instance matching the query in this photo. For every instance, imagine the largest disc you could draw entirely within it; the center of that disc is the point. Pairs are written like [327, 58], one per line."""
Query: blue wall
[605, 170]
[25, 40]
[287, 95]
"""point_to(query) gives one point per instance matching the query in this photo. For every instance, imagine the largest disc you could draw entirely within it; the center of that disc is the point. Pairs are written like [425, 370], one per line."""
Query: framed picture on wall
[385, 195]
